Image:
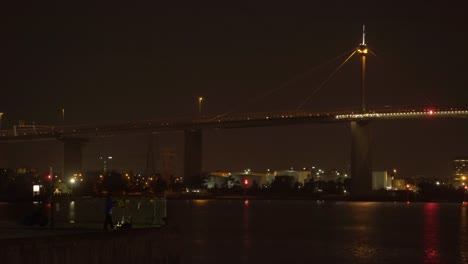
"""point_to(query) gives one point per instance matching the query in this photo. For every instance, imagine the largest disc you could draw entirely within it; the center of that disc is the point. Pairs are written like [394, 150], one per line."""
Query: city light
[405, 114]
[362, 50]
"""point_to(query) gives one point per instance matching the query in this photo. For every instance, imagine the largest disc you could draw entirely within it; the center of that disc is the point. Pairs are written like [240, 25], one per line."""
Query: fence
[140, 210]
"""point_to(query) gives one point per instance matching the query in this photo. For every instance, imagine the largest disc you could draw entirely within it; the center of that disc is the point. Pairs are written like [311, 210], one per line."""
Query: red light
[246, 202]
[246, 181]
[430, 112]
[49, 177]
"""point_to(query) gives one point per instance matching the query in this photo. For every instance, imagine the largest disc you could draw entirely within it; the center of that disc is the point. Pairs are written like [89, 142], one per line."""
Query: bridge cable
[289, 82]
[425, 97]
[326, 81]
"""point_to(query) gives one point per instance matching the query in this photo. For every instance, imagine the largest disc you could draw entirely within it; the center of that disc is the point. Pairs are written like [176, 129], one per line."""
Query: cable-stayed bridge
[360, 121]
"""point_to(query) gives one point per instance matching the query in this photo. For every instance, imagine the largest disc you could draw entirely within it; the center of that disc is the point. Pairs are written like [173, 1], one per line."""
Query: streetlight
[72, 182]
[200, 99]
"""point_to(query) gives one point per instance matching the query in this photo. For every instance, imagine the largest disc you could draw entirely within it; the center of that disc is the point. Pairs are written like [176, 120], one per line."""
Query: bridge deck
[219, 122]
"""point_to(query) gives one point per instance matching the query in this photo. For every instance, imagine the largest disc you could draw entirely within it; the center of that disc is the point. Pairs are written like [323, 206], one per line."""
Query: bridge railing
[184, 123]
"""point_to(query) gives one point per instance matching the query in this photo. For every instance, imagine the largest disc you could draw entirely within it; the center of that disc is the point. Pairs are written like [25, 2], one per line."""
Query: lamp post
[200, 100]
[51, 195]
[72, 182]
[393, 177]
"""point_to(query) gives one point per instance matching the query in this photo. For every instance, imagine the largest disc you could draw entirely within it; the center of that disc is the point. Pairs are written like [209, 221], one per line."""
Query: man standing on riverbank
[108, 212]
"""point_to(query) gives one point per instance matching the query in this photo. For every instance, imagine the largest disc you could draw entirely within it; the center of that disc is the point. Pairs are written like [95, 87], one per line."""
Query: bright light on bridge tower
[362, 49]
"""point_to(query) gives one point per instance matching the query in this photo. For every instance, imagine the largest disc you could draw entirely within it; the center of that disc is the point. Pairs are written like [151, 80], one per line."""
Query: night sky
[126, 61]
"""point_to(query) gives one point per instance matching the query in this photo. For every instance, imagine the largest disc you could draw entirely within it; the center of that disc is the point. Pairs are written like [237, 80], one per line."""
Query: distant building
[460, 173]
[380, 180]
[299, 176]
[217, 179]
[399, 184]
[228, 179]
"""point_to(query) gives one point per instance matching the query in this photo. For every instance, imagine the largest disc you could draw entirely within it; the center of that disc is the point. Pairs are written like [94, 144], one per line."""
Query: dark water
[310, 232]
[262, 231]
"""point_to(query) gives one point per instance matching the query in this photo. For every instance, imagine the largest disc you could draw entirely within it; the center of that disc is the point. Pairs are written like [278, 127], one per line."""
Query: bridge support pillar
[192, 154]
[72, 156]
[361, 158]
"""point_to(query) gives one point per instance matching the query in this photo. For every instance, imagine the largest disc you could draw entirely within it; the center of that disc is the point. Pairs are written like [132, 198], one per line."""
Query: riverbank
[399, 197]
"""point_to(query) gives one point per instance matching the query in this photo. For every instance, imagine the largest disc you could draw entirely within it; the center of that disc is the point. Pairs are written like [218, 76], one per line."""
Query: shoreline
[323, 198]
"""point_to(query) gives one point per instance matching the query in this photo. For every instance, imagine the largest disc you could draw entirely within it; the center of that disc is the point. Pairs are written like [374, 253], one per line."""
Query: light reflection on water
[463, 235]
[278, 231]
[430, 230]
[363, 248]
[245, 229]
[71, 215]
[331, 232]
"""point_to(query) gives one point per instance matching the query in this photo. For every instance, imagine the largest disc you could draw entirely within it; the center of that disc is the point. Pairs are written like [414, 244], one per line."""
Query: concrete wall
[149, 245]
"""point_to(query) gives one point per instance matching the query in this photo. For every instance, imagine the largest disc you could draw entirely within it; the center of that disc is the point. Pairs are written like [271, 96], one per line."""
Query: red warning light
[49, 177]
[246, 181]
[430, 112]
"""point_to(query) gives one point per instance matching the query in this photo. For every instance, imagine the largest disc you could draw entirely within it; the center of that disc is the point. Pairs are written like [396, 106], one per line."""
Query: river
[307, 231]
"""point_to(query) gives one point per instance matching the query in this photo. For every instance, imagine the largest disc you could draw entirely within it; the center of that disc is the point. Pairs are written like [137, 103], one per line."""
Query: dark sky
[124, 61]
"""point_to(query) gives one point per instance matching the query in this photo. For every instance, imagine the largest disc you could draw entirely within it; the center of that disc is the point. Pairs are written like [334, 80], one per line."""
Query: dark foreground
[268, 231]
[145, 245]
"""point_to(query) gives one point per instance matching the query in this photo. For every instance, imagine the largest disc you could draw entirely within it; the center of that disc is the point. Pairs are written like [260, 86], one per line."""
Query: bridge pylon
[362, 50]
[361, 158]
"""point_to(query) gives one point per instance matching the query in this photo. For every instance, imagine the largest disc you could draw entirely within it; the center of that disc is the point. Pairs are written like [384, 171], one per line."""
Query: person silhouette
[109, 204]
